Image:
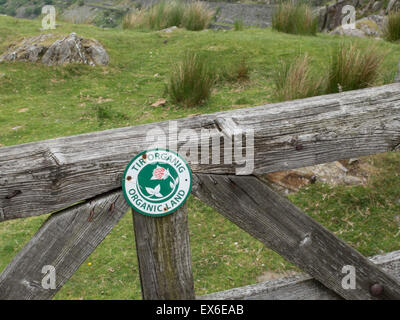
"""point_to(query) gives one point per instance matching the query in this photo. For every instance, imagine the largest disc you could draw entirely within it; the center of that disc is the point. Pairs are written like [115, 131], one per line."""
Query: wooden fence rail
[79, 179]
[299, 287]
[46, 176]
[64, 241]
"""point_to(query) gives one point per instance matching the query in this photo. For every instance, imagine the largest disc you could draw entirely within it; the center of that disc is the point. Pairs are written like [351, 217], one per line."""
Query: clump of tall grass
[294, 18]
[391, 30]
[237, 72]
[193, 16]
[350, 68]
[197, 16]
[159, 16]
[191, 81]
[295, 80]
[238, 25]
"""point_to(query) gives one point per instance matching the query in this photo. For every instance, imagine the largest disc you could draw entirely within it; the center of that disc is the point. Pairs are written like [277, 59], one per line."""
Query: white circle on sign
[157, 182]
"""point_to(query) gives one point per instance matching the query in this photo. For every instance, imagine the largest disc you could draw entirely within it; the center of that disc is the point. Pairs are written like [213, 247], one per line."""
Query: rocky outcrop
[30, 49]
[259, 15]
[371, 26]
[347, 172]
[393, 5]
[330, 16]
[52, 50]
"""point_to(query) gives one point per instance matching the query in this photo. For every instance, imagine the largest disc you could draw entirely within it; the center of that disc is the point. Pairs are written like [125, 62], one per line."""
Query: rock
[378, 19]
[390, 6]
[348, 32]
[169, 30]
[370, 5]
[30, 49]
[330, 17]
[52, 50]
[251, 14]
[333, 173]
[218, 27]
[377, 6]
[97, 52]
[159, 102]
[353, 181]
[371, 26]
[353, 160]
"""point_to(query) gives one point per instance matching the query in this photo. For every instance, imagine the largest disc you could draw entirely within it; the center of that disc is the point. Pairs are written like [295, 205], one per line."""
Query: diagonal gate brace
[281, 226]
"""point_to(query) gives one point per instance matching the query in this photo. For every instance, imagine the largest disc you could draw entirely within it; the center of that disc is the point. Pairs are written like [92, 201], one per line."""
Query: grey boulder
[53, 50]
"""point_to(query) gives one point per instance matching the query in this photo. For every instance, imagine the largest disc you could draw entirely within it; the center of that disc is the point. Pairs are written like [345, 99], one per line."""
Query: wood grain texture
[46, 176]
[164, 256]
[298, 287]
[275, 221]
[64, 241]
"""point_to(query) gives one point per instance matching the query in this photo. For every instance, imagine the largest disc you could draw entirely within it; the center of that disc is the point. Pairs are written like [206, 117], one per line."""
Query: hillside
[39, 102]
[109, 13]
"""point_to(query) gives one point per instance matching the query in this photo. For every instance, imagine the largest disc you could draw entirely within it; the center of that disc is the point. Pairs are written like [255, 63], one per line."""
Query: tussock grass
[157, 17]
[295, 18]
[193, 16]
[350, 68]
[295, 80]
[191, 81]
[391, 30]
[63, 102]
[197, 16]
[235, 72]
[238, 25]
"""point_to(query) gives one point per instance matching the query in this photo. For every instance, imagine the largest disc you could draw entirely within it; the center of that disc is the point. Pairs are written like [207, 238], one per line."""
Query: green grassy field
[39, 102]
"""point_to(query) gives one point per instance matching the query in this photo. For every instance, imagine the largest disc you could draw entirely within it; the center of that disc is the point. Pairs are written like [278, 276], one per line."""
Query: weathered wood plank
[45, 176]
[64, 241]
[298, 287]
[276, 222]
[164, 256]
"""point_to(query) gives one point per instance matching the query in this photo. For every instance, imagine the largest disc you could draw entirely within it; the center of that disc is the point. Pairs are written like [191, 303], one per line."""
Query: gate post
[163, 250]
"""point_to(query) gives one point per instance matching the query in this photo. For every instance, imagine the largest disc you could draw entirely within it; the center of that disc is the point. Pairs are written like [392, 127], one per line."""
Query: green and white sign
[157, 182]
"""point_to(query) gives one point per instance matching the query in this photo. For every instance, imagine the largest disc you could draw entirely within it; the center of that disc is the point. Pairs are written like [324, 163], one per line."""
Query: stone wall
[250, 14]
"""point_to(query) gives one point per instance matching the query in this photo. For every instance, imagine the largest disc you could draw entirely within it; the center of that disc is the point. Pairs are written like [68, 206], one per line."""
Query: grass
[237, 71]
[295, 80]
[157, 17]
[392, 27]
[238, 25]
[193, 16]
[295, 18]
[197, 16]
[191, 81]
[352, 68]
[39, 102]
[366, 217]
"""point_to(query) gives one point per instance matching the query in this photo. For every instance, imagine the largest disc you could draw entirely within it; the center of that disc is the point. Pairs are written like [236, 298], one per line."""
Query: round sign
[157, 182]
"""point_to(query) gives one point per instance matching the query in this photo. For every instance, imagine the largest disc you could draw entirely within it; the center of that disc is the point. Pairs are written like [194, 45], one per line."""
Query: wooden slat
[298, 287]
[276, 222]
[45, 176]
[64, 241]
[163, 251]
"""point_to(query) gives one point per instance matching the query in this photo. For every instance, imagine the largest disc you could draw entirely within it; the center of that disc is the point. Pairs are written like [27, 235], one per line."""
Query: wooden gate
[78, 179]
